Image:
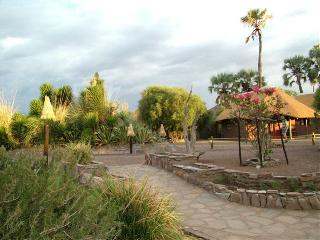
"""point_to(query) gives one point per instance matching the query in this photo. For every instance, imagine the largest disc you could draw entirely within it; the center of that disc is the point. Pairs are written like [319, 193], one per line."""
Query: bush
[144, 214]
[5, 139]
[144, 135]
[39, 202]
[46, 202]
[81, 151]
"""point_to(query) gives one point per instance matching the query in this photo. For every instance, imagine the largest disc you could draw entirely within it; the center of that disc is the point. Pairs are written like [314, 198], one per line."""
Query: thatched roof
[293, 108]
[306, 99]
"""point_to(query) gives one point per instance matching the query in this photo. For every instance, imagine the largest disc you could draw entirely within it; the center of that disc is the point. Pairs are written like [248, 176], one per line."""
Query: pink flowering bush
[258, 107]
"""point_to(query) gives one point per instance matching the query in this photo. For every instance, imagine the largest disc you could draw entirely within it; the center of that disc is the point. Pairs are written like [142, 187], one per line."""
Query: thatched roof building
[293, 108]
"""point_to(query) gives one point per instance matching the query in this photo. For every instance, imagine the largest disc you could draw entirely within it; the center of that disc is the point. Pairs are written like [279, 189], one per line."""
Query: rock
[263, 200]
[235, 197]
[207, 186]
[245, 199]
[270, 202]
[255, 200]
[293, 194]
[292, 203]
[314, 202]
[271, 191]
[279, 203]
[304, 204]
[85, 178]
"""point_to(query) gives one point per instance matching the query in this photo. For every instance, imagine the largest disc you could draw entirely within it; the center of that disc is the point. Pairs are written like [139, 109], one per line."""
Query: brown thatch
[293, 108]
[306, 99]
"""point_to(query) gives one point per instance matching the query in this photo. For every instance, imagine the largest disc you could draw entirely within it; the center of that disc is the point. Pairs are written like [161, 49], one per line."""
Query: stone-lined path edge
[210, 217]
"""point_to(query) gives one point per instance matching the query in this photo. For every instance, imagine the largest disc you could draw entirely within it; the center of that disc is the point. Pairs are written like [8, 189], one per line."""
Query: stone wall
[242, 187]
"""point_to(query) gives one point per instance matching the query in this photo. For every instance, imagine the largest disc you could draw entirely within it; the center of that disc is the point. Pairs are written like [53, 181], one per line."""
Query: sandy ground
[303, 156]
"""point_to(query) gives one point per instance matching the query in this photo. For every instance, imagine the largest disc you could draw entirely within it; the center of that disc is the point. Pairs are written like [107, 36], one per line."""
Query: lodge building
[298, 112]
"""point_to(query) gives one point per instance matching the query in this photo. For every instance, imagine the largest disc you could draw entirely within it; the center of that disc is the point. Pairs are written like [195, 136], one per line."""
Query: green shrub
[81, 151]
[104, 135]
[40, 202]
[293, 184]
[5, 139]
[144, 214]
[35, 107]
[144, 135]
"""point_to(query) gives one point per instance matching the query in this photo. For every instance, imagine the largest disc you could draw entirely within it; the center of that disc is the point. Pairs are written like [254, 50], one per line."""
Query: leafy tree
[246, 79]
[223, 84]
[316, 102]
[256, 18]
[165, 105]
[296, 71]
[314, 68]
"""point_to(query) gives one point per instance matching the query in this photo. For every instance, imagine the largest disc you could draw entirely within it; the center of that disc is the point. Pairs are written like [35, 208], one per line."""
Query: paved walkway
[216, 218]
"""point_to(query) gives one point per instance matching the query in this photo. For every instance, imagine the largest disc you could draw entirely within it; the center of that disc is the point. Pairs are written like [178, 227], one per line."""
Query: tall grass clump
[7, 111]
[82, 153]
[46, 202]
[144, 214]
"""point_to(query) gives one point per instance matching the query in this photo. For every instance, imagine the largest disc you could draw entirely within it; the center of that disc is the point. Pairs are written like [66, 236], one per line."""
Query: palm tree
[246, 79]
[223, 84]
[256, 19]
[296, 71]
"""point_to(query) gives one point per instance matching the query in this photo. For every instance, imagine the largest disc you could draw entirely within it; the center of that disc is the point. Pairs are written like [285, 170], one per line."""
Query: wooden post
[131, 144]
[290, 129]
[283, 147]
[46, 141]
[239, 142]
[259, 143]
[307, 126]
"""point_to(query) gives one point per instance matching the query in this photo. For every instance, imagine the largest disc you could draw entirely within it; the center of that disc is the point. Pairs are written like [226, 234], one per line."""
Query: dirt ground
[303, 157]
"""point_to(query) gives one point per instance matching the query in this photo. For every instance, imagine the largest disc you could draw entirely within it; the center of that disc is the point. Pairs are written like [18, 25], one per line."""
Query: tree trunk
[185, 123]
[299, 84]
[193, 135]
[259, 60]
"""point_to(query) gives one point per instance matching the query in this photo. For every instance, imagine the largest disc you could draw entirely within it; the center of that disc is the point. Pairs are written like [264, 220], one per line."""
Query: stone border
[198, 174]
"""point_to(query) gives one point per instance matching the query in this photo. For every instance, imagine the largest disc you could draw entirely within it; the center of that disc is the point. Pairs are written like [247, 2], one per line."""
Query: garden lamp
[47, 114]
[130, 134]
[162, 132]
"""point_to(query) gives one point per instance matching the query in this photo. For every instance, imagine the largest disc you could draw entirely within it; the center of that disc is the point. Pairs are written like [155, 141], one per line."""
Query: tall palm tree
[223, 84]
[296, 71]
[256, 18]
[246, 79]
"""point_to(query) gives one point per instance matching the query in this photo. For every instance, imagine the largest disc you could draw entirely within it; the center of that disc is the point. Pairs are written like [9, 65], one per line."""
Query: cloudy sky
[134, 44]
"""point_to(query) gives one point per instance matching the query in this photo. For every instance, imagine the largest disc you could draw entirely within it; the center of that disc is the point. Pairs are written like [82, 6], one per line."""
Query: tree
[190, 135]
[246, 79]
[35, 107]
[314, 65]
[47, 89]
[256, 18]
[316, 102]
[64, 95]
[94, 98]
[223, 84]
[165, 105]
[296, 71]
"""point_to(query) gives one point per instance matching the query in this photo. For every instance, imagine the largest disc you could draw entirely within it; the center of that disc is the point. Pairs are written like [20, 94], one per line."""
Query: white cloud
[10, 42]
[138, 43]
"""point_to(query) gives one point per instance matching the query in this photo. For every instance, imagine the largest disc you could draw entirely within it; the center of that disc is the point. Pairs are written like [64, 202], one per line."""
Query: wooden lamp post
[130, 134]
[47, 114]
